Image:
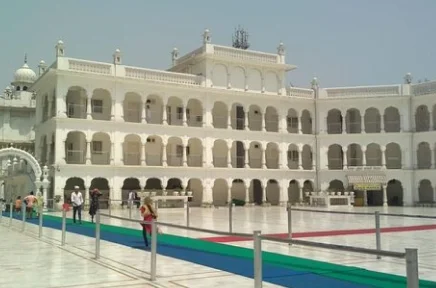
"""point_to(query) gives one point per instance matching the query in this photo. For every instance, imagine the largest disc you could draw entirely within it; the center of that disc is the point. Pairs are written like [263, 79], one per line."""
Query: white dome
[24, 75]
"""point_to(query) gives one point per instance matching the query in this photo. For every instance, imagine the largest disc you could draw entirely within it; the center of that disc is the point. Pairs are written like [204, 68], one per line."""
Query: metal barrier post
[257, 245]
[230, 217]
[40, 210]
[187, 214]
[412, 268]
[153, 250]
[130, 209]
[109, 206]
[11, 211]
[377, 233]
[23, 211]
[289, 210]
[97, 235]
[64, 226]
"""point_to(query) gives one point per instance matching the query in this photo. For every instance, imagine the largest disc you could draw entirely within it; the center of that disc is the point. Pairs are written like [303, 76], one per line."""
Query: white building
[17, 120]
[222, 124]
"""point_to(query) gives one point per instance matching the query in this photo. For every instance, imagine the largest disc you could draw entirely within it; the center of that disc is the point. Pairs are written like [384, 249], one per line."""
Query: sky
[341, 42]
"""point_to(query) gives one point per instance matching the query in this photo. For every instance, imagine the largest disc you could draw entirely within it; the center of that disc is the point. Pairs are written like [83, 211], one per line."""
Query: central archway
[41, 174]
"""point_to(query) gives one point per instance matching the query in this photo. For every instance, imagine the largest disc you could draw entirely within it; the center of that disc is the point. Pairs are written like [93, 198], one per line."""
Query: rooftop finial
[25, 58]
[240, 39]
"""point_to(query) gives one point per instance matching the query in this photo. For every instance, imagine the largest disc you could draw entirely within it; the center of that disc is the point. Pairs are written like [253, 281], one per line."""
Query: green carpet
[346, 273]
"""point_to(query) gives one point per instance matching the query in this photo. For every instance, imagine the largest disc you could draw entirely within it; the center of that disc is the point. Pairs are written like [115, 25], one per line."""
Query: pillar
[113, 111]
[164, 115]
[344, 124]
[344, 158]
[299, 126]
[143, 160]
[184, 119]
[284, 124]
[247, 193]
[263, 122]
[88, 152]
[246, 157]
[246, 120]
[229, 119]
[300, 157]
[229, 155]
[383, 157]
[207, 195]
[363, 156]
[362, 124]
[89, 108]
[164, 154]
[385, 196]
[300, 194]
[382, 124]
[263, 161]
[184, 156]
[264, 201]
[143, 113]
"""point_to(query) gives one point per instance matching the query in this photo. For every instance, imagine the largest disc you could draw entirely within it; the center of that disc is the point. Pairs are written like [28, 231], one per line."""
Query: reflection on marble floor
[176, 273]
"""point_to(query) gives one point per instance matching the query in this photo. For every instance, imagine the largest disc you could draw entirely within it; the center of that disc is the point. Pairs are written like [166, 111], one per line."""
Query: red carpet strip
[225, 239]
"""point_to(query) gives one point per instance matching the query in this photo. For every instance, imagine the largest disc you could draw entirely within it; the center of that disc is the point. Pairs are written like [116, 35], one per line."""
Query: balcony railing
[220, 162]
[75, 157]
[100, 158]
[132, 158]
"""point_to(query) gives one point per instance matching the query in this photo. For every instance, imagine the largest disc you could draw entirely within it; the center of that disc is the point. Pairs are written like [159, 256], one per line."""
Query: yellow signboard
[367, 186]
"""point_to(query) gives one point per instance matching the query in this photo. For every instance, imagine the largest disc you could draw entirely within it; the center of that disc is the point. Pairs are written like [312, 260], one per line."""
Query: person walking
[148, 214]
[94, 206]
[29, 200]
[77, 202]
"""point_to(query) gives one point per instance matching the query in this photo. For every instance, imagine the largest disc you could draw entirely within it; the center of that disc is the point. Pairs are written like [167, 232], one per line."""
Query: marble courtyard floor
[31, 262]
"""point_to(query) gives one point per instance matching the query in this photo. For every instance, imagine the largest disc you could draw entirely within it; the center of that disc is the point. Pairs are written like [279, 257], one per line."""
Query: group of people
[32, 204]
[148, 213]
[77, 203]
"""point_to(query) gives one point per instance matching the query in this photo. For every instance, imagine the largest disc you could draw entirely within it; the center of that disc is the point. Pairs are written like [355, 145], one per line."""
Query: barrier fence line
[153, 251]
[222, 233]
[97, 235]
[40, 214]
[411, 256]
[23, 212]
[230, 217]
[257, 250]
[377, 233]
[10, 214]
[64, 226]
[187, 214]
[289, 212]
[364, 213]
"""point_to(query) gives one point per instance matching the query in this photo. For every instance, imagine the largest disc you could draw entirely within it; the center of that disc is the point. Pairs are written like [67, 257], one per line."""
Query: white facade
[17, 120]
[222, 124]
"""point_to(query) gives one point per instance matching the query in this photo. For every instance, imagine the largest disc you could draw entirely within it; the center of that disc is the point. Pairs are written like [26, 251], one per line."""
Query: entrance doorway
[375, 197]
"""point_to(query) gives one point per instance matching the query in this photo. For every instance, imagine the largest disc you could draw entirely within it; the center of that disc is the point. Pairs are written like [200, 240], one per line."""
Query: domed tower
[23, 77]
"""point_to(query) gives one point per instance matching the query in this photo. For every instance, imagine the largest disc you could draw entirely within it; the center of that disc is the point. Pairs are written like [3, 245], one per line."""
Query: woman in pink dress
[148, 214]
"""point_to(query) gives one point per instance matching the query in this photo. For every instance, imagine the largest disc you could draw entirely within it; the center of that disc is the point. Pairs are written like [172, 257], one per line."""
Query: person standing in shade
[77, 202]
[94, 205]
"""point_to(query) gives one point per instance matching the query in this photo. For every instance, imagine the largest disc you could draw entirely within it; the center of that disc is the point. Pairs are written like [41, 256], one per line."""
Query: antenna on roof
[240, 39]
